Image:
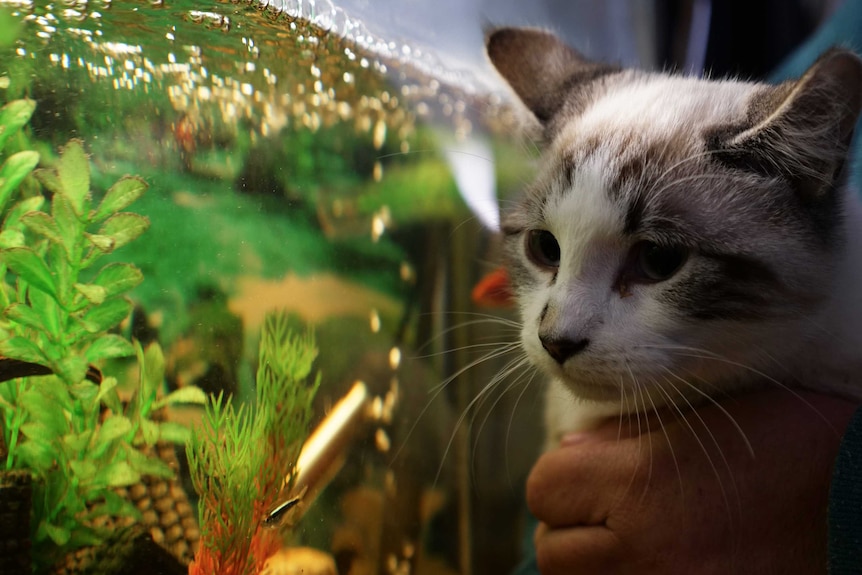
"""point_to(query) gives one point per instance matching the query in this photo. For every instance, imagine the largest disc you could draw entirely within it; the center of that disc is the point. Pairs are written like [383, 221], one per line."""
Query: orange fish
[494, 290]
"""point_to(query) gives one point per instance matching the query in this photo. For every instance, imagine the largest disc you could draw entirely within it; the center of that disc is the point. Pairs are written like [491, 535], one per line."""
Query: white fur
[654, 106]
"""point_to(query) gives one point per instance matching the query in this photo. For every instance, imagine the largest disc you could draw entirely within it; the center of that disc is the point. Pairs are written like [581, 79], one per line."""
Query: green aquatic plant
[80, 443]
[16, 167]
[62, 419]
[60, 310]
[238, 457]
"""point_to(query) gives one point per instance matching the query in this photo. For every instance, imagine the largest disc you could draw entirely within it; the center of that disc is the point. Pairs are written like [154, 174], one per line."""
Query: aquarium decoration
[63, 420]
[239, 456]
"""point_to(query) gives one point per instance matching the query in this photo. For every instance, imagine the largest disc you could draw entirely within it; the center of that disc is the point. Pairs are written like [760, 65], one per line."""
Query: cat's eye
[543, 249]
[657, 262]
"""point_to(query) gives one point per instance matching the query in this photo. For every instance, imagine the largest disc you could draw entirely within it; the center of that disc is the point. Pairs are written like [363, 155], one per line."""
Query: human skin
[667, 495]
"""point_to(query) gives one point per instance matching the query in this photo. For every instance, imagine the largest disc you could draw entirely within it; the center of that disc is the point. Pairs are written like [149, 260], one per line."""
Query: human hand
[670, 495]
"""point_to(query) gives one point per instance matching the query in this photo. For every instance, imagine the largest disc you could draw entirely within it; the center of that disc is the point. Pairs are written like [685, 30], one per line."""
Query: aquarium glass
[297, 158]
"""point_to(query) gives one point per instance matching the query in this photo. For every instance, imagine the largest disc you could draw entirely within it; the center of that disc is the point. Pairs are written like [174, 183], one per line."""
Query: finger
[577, 550]
[580, 484]
[541, 530]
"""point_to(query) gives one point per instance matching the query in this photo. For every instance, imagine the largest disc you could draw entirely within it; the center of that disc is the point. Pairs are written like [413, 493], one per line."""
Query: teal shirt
[842, 28]
[845, 504]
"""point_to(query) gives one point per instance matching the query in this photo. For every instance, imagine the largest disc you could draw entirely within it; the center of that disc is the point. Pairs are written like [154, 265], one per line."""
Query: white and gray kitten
[684, 237]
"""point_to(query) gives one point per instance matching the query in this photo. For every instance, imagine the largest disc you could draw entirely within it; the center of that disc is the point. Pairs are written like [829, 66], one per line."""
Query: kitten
[684, 237]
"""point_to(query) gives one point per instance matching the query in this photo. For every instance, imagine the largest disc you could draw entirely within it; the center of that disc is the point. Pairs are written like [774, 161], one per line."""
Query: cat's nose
[562, 348]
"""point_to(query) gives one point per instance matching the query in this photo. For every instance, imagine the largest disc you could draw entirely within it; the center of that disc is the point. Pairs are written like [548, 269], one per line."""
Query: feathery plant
[283, 394]
[61, 419]
[238, 457]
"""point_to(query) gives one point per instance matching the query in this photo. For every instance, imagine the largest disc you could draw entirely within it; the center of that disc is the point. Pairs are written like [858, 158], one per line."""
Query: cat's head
[679, 228]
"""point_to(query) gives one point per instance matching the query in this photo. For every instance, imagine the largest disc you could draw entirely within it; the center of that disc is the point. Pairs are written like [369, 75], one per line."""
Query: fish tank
[239, 331]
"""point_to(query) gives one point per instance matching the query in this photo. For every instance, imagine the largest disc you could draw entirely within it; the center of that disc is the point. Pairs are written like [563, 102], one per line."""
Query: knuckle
[535, 492]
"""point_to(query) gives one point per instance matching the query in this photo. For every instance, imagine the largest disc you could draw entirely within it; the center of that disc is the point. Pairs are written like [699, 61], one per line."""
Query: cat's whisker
[624, 406]
[704, 449]
[483, 319]
[691, 406]
[698, 353]
[778, 364]
[664, 394]
[644, 410]
[499, 352]
[467, 409]
[518, 363]
[636, 389]
[475, 346]
[435, 391]
[478, 314]
[709, 398]
[527, 385]
[819, 326]
[522, 364]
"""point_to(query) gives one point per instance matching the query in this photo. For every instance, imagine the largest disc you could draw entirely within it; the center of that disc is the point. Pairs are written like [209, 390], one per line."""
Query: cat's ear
[542, 70]
[801, 130]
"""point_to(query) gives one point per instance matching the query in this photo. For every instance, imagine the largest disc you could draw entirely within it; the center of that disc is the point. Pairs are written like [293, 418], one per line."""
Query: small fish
[494, 290]
[279, 512]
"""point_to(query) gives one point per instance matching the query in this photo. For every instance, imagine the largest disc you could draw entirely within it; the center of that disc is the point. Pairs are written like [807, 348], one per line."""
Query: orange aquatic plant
[238, 457]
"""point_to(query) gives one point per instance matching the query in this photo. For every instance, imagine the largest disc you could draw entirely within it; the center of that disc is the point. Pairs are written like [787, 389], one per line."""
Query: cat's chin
[583, 386]
[566, 412]
[591, 389]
